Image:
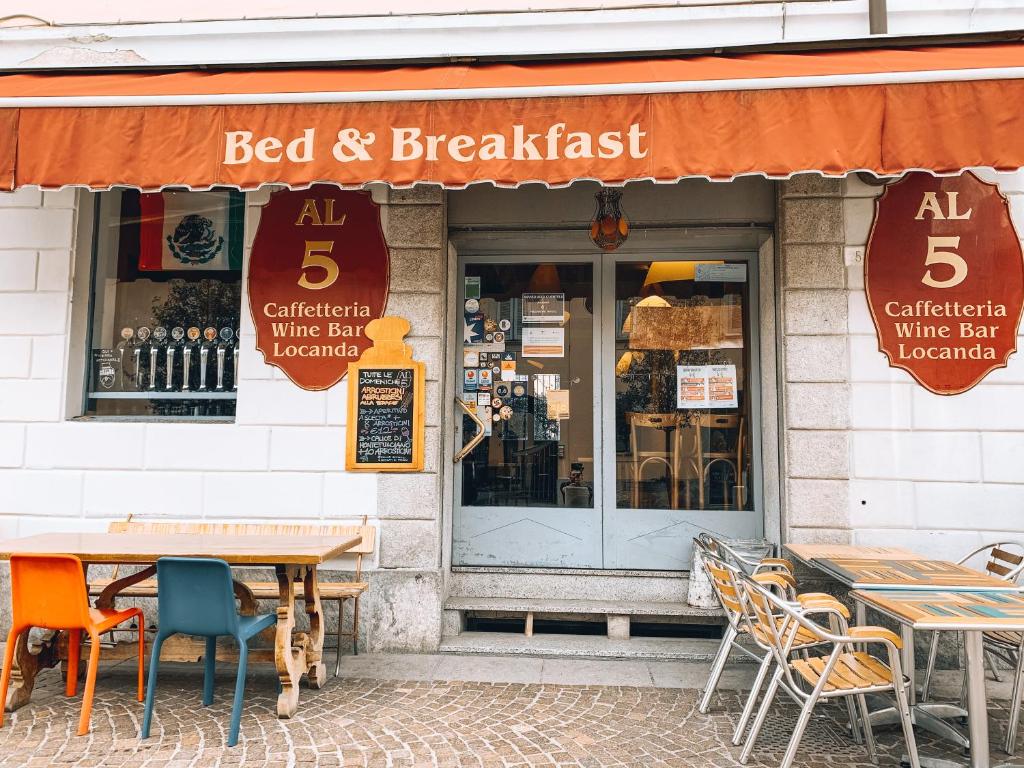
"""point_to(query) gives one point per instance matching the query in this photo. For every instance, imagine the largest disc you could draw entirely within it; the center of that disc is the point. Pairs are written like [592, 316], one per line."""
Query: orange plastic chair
[48, 591]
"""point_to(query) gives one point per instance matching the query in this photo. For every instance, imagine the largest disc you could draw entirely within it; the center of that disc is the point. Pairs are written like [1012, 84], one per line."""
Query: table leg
[286, 656]
[907, 660]
[316, 672]
[27, 666]
[977, 708]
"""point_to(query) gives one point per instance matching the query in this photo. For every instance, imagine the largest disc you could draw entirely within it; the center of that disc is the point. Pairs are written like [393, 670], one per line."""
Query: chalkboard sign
[385, 416]
[386, 403]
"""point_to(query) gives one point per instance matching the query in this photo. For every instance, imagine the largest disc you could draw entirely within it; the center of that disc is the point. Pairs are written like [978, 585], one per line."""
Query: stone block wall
[871, 457]
[281, 460]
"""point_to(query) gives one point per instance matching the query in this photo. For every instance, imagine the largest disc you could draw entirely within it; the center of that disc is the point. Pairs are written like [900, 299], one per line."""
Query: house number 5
[950, 258]
[316, 258]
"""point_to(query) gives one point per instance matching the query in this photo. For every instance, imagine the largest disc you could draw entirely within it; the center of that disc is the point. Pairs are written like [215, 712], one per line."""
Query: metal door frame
[753, 376]
[558, 256]
[571, 245]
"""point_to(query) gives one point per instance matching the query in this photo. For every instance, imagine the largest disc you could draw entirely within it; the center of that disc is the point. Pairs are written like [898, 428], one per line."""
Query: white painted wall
[279, 462]
[938, 474]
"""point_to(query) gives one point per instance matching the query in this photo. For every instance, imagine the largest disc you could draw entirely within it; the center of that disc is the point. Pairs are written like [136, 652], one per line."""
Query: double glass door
[616, 408]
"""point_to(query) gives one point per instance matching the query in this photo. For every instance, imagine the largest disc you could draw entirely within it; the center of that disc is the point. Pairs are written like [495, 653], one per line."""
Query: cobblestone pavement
[379, 722]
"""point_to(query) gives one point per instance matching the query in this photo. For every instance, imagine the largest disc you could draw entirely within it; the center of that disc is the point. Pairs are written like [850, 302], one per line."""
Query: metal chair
[48, 591]
[1002, 563]
[725, 579]
[710, 547]
[196, 597]
[843, 672]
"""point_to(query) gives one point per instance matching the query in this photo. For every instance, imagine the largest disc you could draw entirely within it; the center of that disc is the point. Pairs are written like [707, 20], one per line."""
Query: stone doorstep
[582, 647]
[617, 612]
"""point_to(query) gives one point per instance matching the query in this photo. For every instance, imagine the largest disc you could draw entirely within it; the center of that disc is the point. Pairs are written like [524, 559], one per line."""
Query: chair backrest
[727, 553]
[723, 582]
[1004, 563]
[196, 596]
[49, 591]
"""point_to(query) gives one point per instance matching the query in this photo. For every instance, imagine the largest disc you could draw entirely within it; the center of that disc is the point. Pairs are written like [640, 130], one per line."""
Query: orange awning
[940, 108]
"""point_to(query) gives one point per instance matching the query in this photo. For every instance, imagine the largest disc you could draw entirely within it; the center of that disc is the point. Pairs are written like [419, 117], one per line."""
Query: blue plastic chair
[196, 597]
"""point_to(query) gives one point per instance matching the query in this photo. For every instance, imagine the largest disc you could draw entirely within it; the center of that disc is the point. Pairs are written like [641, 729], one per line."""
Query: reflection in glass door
[528, 368]
[619, 404]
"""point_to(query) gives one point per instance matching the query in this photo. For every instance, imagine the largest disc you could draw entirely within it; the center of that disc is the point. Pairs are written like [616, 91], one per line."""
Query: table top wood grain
[808, 552]
[114, 548]
[948, 610]
[925, 574]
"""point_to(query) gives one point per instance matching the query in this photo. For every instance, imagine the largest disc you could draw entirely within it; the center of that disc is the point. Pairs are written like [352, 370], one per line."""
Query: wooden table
[875, 571]
[970, 612]
[293, 558]
[806, 553]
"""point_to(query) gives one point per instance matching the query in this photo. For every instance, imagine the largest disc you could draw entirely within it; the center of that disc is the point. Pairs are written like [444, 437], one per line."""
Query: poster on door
[706, 386]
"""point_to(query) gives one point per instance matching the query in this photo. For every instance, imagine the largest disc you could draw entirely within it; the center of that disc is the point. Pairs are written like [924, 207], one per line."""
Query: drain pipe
[878, 17]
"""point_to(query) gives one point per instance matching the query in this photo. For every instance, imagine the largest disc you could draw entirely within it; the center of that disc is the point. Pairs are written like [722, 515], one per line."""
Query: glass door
[681, 407]
[528, 494]
[618, 404]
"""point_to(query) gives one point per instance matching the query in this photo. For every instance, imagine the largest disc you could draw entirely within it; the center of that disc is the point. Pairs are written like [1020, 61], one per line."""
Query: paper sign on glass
[543, 342]
[692, 386]
[722, 391]
[720, 273]
[543, 307]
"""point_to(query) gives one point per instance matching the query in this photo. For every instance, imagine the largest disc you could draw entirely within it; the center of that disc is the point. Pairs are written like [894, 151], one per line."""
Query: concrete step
[580, 646]
[592, 607]
[569, 584]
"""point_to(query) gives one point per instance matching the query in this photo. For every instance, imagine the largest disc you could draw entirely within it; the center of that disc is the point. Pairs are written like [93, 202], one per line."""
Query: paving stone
[370, 721]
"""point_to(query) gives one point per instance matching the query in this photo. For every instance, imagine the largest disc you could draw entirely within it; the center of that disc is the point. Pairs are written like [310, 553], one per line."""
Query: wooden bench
[339, 592]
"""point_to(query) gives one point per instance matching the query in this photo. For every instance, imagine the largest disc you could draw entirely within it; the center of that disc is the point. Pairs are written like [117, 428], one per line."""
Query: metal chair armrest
[775, 562]
[874, 635]
[785, 583]
[818, 601]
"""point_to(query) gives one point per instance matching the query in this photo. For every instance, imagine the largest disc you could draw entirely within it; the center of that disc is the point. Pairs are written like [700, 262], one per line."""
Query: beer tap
[177, 334]
[126, 344]
[142, 334]
[222, 347]
[186, 357]
[159, 340]
[210, 334]
[234, 357]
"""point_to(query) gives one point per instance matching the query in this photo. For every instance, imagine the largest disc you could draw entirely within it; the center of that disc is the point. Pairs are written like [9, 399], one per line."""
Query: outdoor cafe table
[293, 558]
[970, 612]
[880, 568]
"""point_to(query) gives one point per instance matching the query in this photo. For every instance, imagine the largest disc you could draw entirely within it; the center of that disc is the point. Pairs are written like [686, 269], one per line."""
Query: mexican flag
[186, 231]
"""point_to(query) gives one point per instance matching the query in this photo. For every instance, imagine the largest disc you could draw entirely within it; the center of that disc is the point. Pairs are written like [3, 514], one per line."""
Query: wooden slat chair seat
[852, 671]
[338, 592]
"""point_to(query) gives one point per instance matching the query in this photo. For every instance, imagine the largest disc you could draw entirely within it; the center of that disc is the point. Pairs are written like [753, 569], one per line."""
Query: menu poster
[543, 307]
[558, 404]
[386, 403]
[692, 386]
[722, 389]
[706, 386]
[543, 342]
[384, 416]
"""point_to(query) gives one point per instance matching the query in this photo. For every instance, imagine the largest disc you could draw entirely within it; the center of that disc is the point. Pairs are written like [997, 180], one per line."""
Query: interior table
[294, 559]
[971, 612]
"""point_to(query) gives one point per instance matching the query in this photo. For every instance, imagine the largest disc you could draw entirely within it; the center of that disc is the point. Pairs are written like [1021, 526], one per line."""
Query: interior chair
[196, 597]
[48, 591]
[725, 580]
[679, 464]
[841, 673]
[1004, 560]
[732, 457]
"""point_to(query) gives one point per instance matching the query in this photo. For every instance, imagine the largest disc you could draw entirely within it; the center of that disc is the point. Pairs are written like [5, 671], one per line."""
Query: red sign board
[944, 276]
[318, 274]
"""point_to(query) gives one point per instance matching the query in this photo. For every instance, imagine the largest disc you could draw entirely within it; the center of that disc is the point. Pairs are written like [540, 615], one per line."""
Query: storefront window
[682, 395]
[164, 330]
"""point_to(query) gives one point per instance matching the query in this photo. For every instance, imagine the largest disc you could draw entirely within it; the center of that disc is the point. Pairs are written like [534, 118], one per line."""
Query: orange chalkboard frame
[389, 351]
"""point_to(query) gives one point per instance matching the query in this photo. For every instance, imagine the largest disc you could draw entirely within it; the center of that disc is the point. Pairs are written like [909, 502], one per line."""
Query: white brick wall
[939, 474]
[280, 461]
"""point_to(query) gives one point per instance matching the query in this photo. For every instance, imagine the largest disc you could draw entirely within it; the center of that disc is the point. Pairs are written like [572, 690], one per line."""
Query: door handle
[480, 429]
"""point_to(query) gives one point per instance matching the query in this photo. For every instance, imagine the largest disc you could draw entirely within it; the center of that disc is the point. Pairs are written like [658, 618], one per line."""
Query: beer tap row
[180, 360]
